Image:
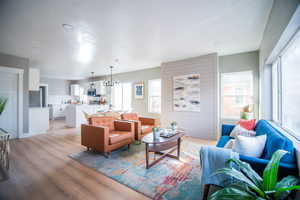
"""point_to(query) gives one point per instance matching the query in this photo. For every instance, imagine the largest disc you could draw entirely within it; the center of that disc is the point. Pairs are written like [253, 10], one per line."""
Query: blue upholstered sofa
[275, 140]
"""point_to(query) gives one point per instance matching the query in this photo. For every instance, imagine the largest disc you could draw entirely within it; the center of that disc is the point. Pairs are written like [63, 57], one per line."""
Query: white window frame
[149, 96]
[122, 104]
[222, 94]
[278, 59]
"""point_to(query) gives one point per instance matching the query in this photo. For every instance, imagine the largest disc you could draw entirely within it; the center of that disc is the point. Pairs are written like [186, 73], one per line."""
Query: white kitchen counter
[74, 113]
[38, 120]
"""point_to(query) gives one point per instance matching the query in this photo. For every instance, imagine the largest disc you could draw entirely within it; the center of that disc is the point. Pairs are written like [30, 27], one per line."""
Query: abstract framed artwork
[139, 90]
[186, 93]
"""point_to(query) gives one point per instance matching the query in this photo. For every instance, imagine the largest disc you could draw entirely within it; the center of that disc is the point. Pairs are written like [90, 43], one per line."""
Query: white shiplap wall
[202, 124]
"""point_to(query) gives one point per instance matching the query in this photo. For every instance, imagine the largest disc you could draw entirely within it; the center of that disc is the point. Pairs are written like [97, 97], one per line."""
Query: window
[154, 96]
[122, 96]
[286, 95]
[236, 92]
[275, 91]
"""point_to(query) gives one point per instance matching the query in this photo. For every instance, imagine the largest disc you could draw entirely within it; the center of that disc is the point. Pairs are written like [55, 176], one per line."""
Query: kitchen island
[75, 113]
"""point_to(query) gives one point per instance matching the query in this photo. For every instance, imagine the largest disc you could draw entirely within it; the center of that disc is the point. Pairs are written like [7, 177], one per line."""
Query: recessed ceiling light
[67, 26]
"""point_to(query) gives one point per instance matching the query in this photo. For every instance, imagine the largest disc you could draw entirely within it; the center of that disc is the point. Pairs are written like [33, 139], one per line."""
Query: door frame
[20, 74]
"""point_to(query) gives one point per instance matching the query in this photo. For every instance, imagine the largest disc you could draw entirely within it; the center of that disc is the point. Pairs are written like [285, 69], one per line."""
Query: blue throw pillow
[275, 141]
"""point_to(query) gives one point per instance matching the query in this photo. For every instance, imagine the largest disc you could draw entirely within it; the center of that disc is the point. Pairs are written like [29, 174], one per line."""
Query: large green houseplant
[3, 102]
[249, 185]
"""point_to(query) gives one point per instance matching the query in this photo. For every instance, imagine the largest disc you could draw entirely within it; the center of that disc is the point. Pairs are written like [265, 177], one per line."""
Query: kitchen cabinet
[34, 79]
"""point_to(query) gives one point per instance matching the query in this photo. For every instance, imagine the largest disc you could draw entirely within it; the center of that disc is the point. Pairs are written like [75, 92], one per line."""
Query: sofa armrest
[226, 129]
[223, 141]
[259, 164]
[121, 125]
[149, 121]
[94, 136]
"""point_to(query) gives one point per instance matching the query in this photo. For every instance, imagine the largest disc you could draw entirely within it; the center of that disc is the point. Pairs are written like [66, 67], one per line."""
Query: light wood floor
[41, 169]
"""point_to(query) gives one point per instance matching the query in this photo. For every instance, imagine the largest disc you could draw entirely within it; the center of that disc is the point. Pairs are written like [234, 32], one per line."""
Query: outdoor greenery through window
[154, 96]
[236, 92]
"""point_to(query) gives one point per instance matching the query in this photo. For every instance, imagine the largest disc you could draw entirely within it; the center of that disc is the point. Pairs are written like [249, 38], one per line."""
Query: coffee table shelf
[160, 144]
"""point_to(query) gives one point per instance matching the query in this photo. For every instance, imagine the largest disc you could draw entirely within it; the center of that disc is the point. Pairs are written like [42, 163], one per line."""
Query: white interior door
[9, 89]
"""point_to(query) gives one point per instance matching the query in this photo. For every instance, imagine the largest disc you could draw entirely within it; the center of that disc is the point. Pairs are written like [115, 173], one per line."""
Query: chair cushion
[118, 136]
[103, 121]
[146, 129]
[115, 115]
[130, 116]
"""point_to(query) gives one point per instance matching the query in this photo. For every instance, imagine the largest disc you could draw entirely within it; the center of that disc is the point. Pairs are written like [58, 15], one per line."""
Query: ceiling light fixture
[67, 26]
[110, 83]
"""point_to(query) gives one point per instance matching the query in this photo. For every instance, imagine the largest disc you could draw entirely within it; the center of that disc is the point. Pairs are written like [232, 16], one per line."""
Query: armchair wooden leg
[206, 191]
[107, 154]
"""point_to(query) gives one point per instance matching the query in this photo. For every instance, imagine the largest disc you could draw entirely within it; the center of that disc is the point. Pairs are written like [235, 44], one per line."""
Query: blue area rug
[168, 179]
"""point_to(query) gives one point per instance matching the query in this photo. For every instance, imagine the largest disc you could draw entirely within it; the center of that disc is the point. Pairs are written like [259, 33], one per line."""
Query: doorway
[11, 87]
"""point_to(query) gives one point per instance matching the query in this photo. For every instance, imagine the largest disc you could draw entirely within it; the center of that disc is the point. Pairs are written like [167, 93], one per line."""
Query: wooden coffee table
[160, 144]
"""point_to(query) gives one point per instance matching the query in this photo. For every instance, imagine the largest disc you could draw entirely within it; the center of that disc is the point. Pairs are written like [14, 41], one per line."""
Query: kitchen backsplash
[59, 99]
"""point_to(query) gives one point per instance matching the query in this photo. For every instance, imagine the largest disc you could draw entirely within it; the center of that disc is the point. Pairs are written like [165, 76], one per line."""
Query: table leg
[147, 156]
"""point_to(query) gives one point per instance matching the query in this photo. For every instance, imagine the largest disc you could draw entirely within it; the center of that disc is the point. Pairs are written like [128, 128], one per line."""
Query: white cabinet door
[34, 79]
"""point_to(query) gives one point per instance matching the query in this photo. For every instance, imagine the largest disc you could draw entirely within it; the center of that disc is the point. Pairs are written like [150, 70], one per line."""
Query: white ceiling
[139, 33]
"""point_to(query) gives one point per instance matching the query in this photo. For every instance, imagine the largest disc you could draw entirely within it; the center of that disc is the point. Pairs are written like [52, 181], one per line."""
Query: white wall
[56, 86]
[21, 63]
[248, 61]
[279, 22]
[139, 105]
[202, 124]
[58, 90]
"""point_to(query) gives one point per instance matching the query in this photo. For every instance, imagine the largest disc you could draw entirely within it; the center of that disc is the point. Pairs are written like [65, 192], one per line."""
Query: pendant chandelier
[111, 82]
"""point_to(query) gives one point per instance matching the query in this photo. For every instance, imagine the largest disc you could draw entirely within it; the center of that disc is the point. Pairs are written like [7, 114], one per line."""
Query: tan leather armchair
[142, 125]
[105, 134]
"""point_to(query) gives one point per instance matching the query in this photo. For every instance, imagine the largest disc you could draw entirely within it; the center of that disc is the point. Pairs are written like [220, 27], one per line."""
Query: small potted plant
[174, 125]
[155, 131]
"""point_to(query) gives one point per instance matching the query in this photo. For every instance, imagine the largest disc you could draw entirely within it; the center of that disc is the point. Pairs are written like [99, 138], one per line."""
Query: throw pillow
[238, 130]
[250, 146]
[248, 124]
